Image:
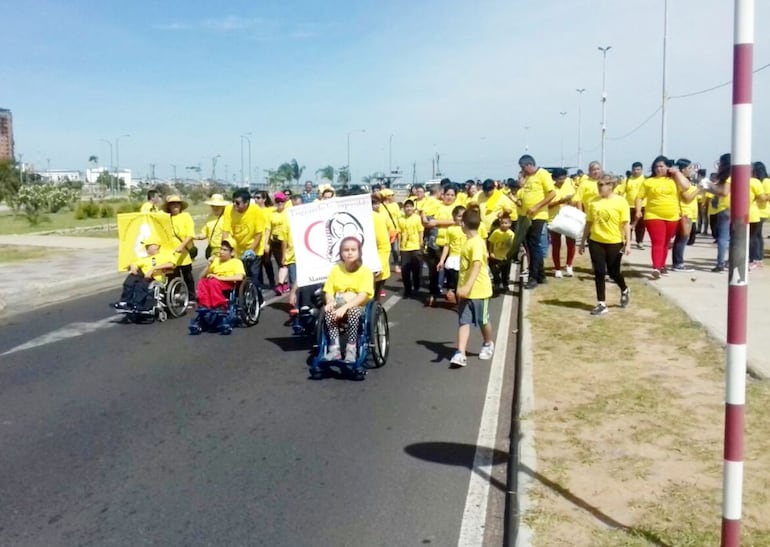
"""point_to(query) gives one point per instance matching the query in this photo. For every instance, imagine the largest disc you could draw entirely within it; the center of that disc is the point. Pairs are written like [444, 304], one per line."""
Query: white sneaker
[569, 272]
[557, 274]
[486, 351]
[458, 359]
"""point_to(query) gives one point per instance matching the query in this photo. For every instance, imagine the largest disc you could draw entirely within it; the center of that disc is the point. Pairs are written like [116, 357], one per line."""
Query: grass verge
[629, 423]
[17, 253]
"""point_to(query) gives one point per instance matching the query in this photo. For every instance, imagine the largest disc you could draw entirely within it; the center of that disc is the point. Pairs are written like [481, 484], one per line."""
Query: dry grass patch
[17, 253]
[629, 424]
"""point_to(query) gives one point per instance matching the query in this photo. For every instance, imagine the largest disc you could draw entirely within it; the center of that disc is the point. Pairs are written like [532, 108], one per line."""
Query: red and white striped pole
[737, 292]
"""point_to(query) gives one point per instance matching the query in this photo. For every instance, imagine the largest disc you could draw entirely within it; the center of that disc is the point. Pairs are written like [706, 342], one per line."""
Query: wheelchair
[373, 345]
[310, 302]
[244, 307]
[171, 300]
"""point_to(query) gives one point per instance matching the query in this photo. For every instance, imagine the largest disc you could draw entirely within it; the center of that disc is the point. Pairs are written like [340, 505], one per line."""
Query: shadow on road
[443, 350]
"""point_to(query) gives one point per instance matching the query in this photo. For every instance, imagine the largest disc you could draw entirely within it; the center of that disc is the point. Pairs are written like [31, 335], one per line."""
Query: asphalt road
[118, 434]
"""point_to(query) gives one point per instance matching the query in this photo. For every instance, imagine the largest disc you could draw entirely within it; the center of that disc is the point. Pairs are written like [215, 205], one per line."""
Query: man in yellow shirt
[410, 243]
[537, 191]
[246, 224]
[153, 203]
[632, 185]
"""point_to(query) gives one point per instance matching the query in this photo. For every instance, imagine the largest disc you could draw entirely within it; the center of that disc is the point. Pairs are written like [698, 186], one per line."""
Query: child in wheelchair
[221, 275]
[348, 288]
[137, 294]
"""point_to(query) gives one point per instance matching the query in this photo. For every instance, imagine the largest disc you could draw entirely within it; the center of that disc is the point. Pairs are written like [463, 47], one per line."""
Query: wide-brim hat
[173, 198]
[217, 200]
[324, 188]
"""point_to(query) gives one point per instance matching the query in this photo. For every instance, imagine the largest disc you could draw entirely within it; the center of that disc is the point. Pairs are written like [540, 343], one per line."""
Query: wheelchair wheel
[249, 305]
[378, 337]
[177, 297]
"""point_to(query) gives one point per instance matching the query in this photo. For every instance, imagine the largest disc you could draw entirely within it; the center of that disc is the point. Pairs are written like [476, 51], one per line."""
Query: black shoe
[625, 298]
[531, 284]
[718, 269]
[120, 305]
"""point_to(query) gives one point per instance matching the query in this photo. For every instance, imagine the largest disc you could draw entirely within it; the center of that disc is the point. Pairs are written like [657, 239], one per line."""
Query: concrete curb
[526, 443]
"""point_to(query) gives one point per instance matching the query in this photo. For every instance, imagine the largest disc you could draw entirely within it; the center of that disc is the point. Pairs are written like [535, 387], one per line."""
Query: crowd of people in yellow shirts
[466, 236]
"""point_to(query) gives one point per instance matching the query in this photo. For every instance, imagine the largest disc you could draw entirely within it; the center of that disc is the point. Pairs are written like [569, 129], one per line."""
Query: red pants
[556, 250]
[661, 233]
[211, 292]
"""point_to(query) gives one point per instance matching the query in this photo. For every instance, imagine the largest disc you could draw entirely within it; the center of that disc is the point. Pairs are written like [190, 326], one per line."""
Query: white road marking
[392, 301]
[69, 331]
[475, 512]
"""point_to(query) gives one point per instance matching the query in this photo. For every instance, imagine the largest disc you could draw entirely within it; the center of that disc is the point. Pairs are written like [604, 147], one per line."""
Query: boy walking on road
[474, 289]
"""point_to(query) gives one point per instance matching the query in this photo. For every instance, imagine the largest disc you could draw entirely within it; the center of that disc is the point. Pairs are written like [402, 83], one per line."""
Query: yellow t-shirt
[586, 193]
[279, 223]
[382, 239]
[244, 227]
[149, 207]
[443, 212]
[411, 231]
[455, 239]
[690, 210]
[340, 280]
[567, 189]
[755, 190]
[184, 227]
[662, 194]
[163, 257]
[490, 207]
[289, 257]
[212, 231]
[228, 268]
[500, 243]
[607, 216]
[764, 208]
[536, 186]
[392, 213]
[427, 206]
[462, 198]
[474, 250]
[629, 190]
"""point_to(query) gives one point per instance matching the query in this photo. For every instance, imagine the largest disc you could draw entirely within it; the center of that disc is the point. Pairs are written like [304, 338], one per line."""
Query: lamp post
[580, 128]
[117, 160]
[350, 172]
[174, 168]
[561, 134]
[390, 154]
[526, 139]
[664, 98]
[246, 136]
[604, 51]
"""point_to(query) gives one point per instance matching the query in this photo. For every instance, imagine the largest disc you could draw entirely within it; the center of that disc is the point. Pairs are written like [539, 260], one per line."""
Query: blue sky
[186, 79]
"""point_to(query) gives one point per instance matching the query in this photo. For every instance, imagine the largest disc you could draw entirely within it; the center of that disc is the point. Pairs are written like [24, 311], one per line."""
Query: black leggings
[606, 259]
[189, 280]
[411, 270]
[353, 318]
[432, 258]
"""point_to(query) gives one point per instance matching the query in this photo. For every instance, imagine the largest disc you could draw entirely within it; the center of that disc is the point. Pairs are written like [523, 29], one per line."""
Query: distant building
[60, 175]
[6, 135]
[92, 174]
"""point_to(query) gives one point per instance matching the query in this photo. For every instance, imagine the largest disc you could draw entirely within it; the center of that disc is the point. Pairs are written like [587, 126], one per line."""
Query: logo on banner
[323, 238]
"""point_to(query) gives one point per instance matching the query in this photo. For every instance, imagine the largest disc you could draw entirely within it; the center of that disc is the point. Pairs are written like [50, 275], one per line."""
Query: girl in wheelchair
[348, 288]
[221, 275]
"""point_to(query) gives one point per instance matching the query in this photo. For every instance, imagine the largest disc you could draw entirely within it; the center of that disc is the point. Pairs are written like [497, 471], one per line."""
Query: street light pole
[561, 133]
[604, 51]
[350, 172]
[390, 154]
[117, 160]
[174, 168]
[580, 128]
[526, 139]
[664, 99]
[246, 136]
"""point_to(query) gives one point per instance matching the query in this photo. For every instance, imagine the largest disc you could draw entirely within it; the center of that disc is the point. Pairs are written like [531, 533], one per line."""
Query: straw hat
[173, 198]
[217, 200]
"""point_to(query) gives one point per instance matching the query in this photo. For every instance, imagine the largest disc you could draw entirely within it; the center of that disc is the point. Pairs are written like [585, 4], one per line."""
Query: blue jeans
[680, 244]
[723, 236]
[534, 242]
[756, 243]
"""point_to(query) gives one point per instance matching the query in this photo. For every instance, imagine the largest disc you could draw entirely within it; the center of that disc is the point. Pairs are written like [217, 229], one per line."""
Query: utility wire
[638, 127]
[702, 91]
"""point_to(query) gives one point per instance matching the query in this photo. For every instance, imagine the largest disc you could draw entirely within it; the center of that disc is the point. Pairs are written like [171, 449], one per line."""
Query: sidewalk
[78, 266]
[703, 296]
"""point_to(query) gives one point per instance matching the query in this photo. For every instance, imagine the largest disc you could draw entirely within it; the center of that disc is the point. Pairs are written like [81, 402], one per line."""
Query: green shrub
[129, 207]
[107, 211]
[87, 209]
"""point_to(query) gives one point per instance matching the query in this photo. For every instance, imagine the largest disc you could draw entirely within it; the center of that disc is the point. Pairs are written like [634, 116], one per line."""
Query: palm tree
[296, 170]
[93, 160]
[326, 173]
[343, 175]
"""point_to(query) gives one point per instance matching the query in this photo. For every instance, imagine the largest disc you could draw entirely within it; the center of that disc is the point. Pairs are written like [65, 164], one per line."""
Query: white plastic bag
[570, 222]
